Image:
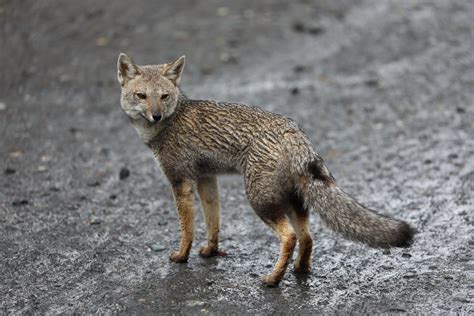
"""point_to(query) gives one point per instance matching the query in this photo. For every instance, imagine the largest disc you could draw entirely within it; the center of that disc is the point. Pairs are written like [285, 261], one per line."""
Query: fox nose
[156, 117]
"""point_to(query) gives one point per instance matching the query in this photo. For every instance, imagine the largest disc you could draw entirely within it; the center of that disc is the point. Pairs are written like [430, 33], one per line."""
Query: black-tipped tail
[345, 215]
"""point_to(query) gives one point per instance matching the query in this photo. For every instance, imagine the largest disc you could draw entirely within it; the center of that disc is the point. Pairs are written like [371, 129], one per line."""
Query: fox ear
[174, 70]
[126, 69]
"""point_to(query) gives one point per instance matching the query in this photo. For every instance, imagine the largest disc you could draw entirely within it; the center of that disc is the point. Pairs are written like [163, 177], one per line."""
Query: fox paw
[270, 280]
[177, 257]
[208, 252]
[301, 269]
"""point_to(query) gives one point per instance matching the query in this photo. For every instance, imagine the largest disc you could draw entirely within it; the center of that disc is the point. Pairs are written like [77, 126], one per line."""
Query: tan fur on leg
[209, 193]
[287, 244]
[184, 197]
[300, 223]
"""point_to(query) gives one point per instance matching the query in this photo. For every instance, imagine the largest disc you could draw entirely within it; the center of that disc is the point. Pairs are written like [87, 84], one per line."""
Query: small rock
[298, 27]
[124, 173]
[42, 168]
[294, 91]
[93, 184]
[162, 223]
[406, 255]
[95, 221]
[299, 68]
[410, 276]
[101, 41]
[195, 303]
[45, 158]
[157, 248]
[9, 171]
[20, 202]
[386, 252]
[427, 161]
[3, 106]
[222, 11]
[460, 110]
[113, 196]
[453, 156]
[372, 83]
[16, 153]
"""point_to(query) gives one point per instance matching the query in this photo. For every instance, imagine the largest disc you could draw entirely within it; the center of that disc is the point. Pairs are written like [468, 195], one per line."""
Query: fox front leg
[184, 197]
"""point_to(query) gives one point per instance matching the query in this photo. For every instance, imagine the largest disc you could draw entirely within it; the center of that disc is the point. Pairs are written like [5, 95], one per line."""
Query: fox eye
[165, 96]
[141, 95]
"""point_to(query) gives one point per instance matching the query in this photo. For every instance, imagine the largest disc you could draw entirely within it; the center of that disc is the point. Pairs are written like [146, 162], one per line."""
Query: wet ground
[383, 88]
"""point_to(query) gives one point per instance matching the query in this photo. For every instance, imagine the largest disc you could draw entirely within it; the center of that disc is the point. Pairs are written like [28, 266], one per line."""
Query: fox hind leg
[282, 227]
[208, 190]
[299, 219]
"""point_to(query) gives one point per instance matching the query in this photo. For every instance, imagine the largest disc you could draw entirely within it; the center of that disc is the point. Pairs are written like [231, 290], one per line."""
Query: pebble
[124, 173]
[101, 41]
[20, 202]
[406, 255]
[300, 27]
[3, 106]
[16, 154]
[299, 68]
[222, 11]
[42, 168]
[157, 248]
[9, 171]
[294, 91]
[372, 83]
[95, 221]
[195, 303]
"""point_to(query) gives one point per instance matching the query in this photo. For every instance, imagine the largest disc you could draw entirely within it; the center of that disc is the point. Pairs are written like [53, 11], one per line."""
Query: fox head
[149, 92]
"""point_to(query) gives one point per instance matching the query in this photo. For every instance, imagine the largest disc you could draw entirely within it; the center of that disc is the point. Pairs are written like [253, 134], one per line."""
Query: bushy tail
[345, 215]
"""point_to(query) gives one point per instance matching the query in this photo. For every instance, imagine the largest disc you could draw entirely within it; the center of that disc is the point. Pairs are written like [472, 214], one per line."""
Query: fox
[195, 141]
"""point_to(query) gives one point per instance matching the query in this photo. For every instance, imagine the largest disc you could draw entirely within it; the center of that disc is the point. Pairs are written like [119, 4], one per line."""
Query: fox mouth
[152, 118]
[145, 117]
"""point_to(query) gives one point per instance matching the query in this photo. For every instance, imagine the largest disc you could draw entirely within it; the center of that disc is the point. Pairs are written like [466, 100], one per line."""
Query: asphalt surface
[383, 88]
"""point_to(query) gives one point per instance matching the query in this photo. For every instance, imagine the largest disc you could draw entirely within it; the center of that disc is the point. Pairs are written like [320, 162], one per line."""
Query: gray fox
[193, 141]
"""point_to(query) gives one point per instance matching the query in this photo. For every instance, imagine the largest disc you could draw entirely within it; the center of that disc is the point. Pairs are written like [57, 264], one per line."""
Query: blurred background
[383, 88]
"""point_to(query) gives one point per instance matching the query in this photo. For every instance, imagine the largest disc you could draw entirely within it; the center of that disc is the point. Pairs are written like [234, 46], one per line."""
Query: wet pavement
[383, 88]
